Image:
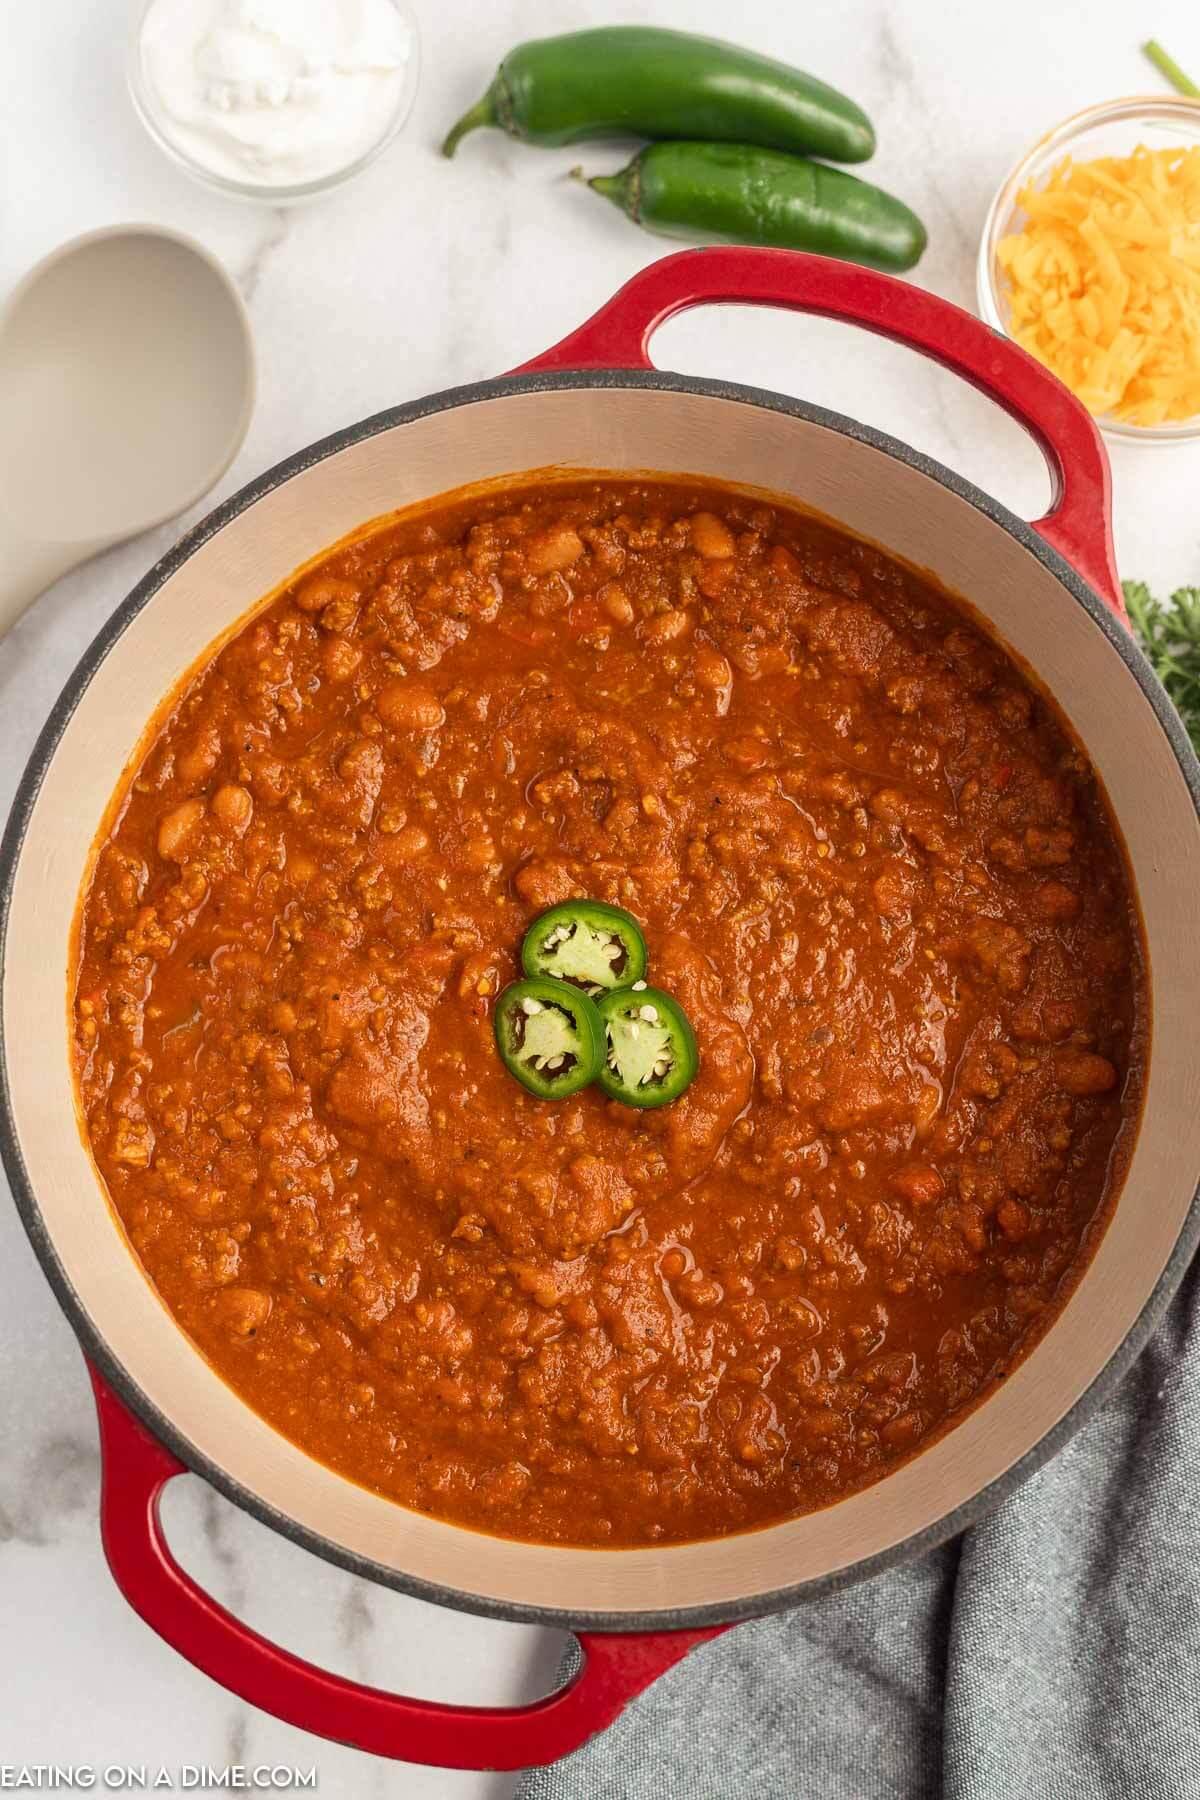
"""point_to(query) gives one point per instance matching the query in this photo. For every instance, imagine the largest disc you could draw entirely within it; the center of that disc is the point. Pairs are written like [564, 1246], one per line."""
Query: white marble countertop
[419, 275]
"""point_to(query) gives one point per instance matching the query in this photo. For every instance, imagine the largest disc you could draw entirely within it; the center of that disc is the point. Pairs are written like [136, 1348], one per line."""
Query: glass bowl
[160, 129]
[1114, 128]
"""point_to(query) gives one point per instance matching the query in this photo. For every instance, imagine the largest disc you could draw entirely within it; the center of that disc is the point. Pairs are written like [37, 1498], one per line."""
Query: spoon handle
[29, 565]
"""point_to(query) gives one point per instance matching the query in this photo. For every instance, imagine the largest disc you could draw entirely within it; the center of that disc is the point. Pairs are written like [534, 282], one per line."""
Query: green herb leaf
[1170, 636]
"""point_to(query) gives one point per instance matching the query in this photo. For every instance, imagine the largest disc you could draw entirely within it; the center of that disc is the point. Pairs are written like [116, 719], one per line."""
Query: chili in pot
[870, 867]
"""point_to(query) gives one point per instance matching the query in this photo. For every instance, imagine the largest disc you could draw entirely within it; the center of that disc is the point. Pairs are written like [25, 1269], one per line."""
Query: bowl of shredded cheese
[1090, 260]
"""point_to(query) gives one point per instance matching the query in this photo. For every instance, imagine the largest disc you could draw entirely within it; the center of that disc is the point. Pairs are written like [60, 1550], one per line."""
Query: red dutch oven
[596, 402]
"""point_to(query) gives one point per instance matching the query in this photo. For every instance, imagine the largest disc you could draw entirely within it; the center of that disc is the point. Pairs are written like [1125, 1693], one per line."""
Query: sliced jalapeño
[549, 1036]
[650, 1053]
[588, 943]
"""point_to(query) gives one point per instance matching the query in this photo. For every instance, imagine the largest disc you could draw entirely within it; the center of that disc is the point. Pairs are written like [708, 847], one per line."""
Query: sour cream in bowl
[273, 99]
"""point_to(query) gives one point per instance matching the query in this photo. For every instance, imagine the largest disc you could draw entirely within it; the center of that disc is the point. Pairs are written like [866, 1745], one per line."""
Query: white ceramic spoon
[126, 386]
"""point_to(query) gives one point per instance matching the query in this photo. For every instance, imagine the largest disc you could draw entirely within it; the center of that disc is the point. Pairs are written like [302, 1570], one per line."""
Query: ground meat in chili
[870, 863]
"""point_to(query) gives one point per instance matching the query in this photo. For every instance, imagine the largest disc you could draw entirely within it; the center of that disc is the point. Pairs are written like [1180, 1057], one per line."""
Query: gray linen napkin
[1050, 1653]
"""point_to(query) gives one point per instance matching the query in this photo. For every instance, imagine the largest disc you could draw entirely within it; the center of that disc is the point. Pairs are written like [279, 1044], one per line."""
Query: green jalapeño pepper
[588, 943]
[650, 1053]
[738, 194]
[549, 1036]
[640, 81]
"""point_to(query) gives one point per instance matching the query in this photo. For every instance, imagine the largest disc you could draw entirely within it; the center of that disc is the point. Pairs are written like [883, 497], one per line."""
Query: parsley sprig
[1170, 636]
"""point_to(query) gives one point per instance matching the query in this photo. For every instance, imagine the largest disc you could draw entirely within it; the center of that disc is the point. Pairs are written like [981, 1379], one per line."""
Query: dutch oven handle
[1079, 523]
[136, 1468]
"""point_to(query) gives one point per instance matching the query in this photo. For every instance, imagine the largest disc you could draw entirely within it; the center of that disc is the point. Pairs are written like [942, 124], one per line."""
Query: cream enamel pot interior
[596, 403]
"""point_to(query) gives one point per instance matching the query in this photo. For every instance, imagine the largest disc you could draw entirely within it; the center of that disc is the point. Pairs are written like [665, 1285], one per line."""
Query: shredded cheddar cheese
[1104, 282]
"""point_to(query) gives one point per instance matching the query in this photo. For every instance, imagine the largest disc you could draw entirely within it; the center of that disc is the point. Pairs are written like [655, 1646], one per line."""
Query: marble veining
[417, 276]
[250, 274]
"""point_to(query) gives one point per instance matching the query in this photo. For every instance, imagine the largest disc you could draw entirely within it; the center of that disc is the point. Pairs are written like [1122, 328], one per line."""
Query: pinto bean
[269, 779]
[1082, 1073]
[408, 843]
[616, 603]
[243, 1310]
[232, 806]
[746, 753]
[550, 551]
[340, 658]
[408, 706]
[197, 759]
[710, 536]
[177, 828]
[665, 627]
[320, 591]
[711, 669]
